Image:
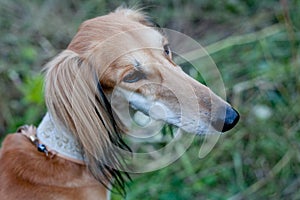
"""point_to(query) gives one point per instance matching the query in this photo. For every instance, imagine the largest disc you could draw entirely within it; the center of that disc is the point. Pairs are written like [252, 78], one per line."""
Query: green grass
[255, 45]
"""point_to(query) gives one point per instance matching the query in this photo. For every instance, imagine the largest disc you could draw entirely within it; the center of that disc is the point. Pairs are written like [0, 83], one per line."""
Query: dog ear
[61, 95]
[76, 101]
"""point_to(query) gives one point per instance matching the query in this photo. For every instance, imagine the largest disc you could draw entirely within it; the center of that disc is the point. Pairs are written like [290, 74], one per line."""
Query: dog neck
[57, 139]
[61, 141]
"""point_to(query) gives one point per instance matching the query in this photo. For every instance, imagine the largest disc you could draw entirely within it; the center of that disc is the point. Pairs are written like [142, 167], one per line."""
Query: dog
[116, 60]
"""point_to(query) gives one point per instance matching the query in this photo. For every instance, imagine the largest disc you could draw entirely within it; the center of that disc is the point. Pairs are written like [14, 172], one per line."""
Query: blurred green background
[255, 45]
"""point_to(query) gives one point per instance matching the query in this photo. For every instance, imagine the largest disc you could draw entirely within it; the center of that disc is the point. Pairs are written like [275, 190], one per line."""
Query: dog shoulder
[15, 143]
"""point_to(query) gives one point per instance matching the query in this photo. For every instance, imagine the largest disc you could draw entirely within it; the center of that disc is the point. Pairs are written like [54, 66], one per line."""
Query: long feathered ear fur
[76, 101]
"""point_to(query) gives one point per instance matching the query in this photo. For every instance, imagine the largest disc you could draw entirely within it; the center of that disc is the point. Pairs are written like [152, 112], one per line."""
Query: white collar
[57, 139]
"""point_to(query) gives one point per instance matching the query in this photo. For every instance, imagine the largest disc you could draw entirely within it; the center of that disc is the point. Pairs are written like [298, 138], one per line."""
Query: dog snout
[228, 121]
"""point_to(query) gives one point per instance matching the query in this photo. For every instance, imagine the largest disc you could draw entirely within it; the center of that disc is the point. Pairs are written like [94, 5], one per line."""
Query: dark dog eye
[134, 77]
[167, 50]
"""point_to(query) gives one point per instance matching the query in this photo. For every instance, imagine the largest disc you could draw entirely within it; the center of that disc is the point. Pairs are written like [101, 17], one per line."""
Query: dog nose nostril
[228, 122]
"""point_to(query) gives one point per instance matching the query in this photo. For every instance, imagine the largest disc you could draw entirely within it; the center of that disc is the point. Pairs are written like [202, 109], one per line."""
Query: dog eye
[167, 50]
[134, 77]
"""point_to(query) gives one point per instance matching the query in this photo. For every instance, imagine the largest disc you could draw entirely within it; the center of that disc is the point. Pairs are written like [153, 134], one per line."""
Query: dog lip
[158, 111]
[173, 120]
[151, 110]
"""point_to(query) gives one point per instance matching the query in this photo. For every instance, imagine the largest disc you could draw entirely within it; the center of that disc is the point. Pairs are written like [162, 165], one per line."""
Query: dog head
[126, 56]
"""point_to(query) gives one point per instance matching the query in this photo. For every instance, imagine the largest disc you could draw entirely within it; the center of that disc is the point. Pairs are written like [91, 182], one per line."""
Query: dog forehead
[121, 28]
[133, 41]
[143, 37]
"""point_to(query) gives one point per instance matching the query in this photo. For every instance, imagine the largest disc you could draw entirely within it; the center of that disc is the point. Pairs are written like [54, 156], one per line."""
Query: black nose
[227, 122]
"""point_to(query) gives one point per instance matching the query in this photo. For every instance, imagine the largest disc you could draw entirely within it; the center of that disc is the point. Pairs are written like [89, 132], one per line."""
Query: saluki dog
[75, 152]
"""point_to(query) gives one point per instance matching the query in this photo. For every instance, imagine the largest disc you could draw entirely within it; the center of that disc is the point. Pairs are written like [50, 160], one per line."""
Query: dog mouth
[143, 126]
[141, 115]
[147, 112]
[159, 113]
[154, 110]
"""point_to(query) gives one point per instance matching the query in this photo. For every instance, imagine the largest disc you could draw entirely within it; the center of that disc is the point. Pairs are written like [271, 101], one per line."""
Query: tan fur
[105, 50]
[28, 174]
